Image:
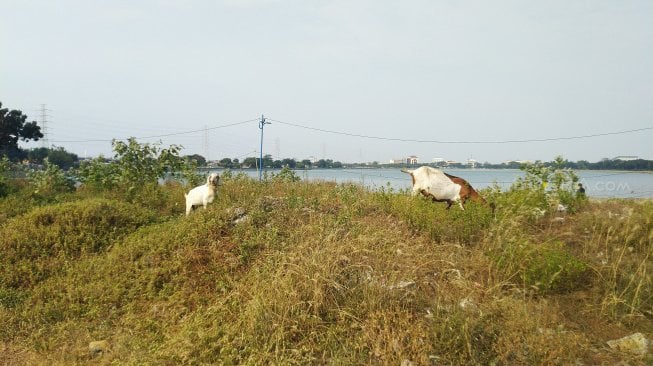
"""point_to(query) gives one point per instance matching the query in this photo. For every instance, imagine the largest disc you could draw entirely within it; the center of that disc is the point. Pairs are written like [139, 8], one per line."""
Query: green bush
[6, 170]
[549, 185]
[98, 174]
[285, 175]
[50, 180]
[137, 165]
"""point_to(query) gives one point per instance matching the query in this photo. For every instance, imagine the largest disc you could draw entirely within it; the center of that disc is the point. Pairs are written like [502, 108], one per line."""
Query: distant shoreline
[416, 166]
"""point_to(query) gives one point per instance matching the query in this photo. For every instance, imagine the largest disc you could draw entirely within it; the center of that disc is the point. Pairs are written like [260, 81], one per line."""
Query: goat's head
[478, 198]
[213, 179]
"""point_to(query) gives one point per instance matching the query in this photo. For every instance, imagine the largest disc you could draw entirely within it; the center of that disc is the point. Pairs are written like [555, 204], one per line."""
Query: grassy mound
[47, 239]
[314, 273]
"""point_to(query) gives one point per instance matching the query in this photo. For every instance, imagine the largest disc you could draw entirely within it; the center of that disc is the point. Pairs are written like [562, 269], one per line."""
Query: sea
[597, 183]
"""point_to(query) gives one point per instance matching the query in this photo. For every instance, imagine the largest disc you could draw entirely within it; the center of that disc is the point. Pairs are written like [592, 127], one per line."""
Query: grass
[319, 273]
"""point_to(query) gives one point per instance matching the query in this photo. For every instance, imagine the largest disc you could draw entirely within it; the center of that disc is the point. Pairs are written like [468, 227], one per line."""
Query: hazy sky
[421, 70]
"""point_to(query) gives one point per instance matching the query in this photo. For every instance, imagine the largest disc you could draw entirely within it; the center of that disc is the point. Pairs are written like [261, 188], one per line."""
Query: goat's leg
[449, 203]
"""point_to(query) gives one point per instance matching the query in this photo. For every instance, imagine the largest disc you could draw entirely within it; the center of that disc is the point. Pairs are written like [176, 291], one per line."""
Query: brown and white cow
[442, 187]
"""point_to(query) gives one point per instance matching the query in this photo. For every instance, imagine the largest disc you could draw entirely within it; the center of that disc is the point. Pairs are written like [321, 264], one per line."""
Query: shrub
[136, 165]
[5, 165]
[560, 190]
[285, 175]
[98, 174]
[50, 180]
[11, 175]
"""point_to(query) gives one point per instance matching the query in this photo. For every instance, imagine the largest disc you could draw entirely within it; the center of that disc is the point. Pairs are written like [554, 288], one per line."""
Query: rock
[238, 215]
[98, 348]
[561, 208]
[467, 304]
[241, 219]
[407, 363]
[558, 219]
[635, 343]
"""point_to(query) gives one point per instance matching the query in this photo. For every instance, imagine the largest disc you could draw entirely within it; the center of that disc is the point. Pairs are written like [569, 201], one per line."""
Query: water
[597, 183]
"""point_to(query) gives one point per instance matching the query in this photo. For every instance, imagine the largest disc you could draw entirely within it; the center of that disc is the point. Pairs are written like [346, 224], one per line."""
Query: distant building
[471, 163]
[437, 161]
[412, 160]
[397, 161]
[625, 158]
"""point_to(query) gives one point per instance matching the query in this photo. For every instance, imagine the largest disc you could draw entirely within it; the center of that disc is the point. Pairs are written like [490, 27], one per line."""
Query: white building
[625, 158]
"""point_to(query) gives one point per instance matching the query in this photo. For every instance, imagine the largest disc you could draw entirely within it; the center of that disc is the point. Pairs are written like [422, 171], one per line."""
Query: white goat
[202, 195]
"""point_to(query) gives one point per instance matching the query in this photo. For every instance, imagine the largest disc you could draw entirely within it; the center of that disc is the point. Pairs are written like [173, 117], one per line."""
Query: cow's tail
[407, 171]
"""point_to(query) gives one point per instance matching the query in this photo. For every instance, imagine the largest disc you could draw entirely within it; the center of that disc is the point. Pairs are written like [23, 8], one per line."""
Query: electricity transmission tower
[45, 142]
[205, 143]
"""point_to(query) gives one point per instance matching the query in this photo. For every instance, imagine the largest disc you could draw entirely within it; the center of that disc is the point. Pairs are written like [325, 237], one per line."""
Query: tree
[13, 127]
[226, 163]
[57, 156]
[306, 164]
[250, 162]
[290, 163]
[268, 162]
[37, 155]
[62, 158]
[199, 159]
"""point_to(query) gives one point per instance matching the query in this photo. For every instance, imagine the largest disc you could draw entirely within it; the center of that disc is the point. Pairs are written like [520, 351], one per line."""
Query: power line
[460, 142]
[167, 134]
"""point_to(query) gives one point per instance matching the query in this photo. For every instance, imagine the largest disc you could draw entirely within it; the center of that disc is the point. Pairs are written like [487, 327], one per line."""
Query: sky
[433, 71]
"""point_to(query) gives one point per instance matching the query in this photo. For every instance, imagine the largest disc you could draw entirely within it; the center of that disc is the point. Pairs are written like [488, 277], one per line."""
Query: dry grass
[320, 273]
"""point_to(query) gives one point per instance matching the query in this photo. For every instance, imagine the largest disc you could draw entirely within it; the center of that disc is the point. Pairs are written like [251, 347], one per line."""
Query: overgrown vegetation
[285, 271]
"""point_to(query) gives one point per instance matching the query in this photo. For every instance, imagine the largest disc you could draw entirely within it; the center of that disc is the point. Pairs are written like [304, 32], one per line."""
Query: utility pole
[261, 124]
[44, 126]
